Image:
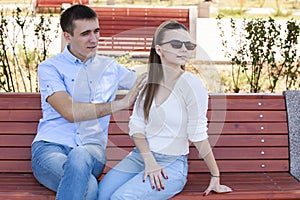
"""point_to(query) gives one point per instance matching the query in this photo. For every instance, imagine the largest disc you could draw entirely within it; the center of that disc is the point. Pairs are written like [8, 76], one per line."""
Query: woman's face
[171, 49]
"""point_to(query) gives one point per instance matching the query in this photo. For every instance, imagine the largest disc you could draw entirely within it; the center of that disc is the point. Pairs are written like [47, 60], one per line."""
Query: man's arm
[72, 111]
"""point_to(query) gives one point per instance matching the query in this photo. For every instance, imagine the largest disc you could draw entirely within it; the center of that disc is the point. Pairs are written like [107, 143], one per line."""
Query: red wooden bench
[130, 29]
[55, 6]
[248, 133]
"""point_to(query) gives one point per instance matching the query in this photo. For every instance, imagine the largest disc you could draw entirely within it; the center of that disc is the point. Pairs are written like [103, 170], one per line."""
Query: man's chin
[91, 54]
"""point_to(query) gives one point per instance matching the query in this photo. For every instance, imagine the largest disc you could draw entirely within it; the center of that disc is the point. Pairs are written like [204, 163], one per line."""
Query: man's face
[83, 43]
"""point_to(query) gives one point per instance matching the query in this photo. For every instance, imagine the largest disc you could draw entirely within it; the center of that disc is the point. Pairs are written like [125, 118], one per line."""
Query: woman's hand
[215, 186]
[155, 172]
[156, 175]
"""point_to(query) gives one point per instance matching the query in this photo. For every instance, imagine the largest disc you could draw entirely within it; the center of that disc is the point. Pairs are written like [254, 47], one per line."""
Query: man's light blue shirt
[94, 81]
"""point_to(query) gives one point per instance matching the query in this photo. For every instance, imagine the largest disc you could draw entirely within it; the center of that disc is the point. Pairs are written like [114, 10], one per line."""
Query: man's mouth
[92, 47]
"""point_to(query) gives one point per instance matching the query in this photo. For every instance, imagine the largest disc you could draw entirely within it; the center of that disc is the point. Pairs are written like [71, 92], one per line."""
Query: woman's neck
[171, 74]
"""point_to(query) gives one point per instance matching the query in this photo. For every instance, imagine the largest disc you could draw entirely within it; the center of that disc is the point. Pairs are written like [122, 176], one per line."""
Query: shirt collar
[73, 58]
[70, 57]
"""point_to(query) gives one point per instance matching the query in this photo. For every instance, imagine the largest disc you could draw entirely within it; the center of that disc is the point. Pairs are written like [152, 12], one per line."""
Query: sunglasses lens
[176, 44]
[190, 46]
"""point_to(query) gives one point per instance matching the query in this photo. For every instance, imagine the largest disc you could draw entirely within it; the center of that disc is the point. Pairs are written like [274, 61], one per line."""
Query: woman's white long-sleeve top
[179, 119]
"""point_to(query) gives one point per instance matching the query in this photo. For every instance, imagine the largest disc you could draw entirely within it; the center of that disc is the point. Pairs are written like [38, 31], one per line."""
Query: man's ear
[158, 49]
[67, 36]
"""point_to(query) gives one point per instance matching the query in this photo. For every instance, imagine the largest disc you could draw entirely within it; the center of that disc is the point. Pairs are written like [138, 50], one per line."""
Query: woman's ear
[158, 49]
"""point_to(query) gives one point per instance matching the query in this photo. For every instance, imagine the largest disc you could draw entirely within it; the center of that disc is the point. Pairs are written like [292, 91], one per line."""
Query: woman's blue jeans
[71, 172]
[125, 180]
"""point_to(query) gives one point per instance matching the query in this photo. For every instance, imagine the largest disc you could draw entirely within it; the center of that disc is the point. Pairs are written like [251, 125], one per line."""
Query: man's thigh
[47, 163]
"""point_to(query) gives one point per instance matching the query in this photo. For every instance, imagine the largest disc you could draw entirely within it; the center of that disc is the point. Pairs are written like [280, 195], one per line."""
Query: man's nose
[94, 37]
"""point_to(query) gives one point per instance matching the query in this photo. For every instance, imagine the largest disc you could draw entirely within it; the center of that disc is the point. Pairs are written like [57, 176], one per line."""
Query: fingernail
[163, 188]
[204, 194]
[158, 189]
[167, 177]
[153, 187]
[144, 180]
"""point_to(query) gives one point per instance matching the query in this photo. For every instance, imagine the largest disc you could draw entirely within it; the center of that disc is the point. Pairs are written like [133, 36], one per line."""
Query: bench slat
[123, 116]
[228, 116]
[125, 141]
[226, 128]
[255, 186]
[18, 127]
[20, 115]
[219, 140]
[194, 166]
[115, 153]
[16, 140]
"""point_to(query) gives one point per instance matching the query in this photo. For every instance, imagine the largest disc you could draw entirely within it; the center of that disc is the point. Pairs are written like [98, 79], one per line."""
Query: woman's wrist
[215, 176]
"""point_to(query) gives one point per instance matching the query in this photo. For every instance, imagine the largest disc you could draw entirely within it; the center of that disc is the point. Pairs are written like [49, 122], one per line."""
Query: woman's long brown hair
[155, 72]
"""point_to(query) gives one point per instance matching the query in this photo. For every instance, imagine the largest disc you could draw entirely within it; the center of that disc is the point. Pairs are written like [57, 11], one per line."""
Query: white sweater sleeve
[196, 99]
[137, 123]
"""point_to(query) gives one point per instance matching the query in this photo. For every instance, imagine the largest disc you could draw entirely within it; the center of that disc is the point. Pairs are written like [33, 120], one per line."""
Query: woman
[170, 112]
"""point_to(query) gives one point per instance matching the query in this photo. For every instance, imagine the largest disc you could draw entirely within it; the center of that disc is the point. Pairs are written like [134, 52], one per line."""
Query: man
[78, 88]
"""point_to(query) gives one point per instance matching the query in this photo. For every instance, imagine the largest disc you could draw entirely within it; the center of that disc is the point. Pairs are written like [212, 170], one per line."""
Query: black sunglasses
[177, 44]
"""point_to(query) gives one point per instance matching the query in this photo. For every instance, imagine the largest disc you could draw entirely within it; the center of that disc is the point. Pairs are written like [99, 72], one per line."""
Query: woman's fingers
[223, 189]
[156, 179]
[219, 189]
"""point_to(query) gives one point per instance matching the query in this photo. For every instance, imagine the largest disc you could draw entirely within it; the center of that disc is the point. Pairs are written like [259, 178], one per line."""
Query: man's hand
[130, 97]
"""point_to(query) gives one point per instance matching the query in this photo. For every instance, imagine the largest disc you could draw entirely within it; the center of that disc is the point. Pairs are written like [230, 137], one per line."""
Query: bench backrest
[130, 29]
[248, 133]
[55, 6]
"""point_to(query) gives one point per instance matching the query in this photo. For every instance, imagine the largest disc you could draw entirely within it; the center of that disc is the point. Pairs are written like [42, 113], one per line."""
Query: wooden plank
[240, 128]
[226, 116]
[20, 115]
[232, 153]
[242, 103]
[15, 166]
[218, 140]
[16, 140]
[253, 185]
[15, 101]
[117, 153]
[58, 3]
[242, 166]
[248, 116]
[196, 166]
[10, 153]
[246, 186]
[247, 128]
[24, 166]
[18, 127]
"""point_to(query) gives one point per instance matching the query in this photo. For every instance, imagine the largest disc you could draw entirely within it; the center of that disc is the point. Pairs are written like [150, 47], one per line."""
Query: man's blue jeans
[71, 172]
